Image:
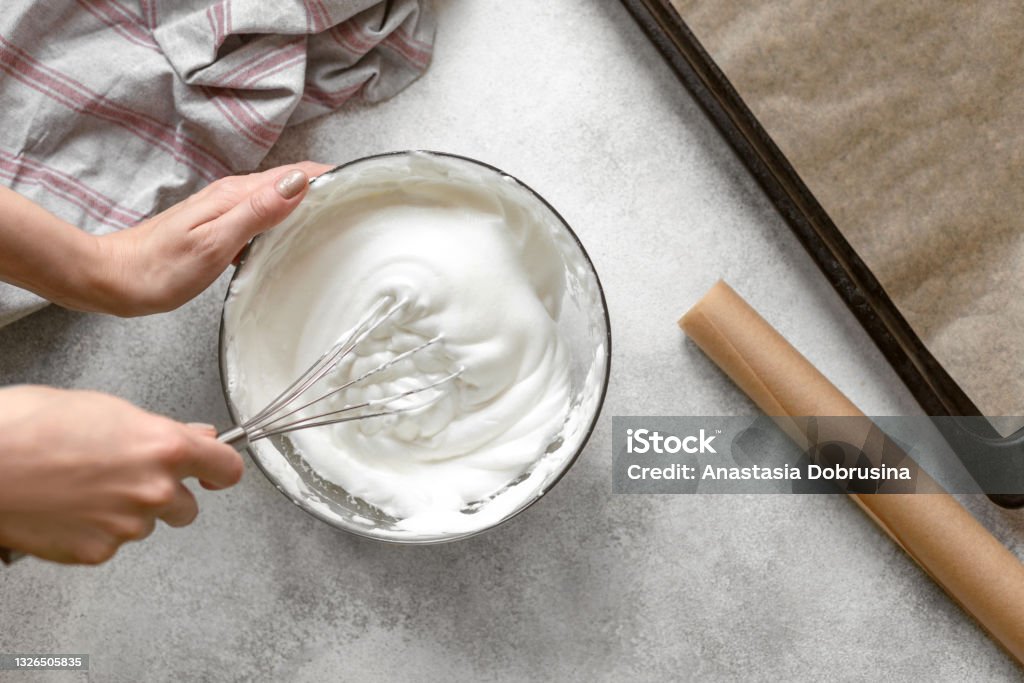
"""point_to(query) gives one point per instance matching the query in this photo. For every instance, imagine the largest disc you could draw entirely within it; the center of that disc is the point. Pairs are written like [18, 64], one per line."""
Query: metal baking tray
[933, 388]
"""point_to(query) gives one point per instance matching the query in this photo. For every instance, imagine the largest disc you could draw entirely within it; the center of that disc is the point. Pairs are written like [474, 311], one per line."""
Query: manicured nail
[202, 427]
[291, 183]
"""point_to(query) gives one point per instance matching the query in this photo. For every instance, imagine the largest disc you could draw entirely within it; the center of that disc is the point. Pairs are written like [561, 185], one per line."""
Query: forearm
[41, 253]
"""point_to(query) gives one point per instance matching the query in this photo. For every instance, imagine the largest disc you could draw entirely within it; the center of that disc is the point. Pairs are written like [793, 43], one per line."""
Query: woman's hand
[82, 473]
[165, 261]
[155, 266]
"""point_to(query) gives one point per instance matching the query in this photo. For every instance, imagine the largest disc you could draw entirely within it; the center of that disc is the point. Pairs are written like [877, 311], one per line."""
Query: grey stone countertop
[586, 585]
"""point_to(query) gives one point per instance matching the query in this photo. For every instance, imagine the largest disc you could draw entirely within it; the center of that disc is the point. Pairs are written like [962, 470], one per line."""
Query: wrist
[96, 283]
[75, 274]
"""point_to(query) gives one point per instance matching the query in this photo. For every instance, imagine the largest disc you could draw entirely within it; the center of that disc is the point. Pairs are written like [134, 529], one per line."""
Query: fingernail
[291, 183]
[202, 427]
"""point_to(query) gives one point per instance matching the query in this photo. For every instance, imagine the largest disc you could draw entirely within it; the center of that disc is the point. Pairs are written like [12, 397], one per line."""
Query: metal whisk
[284, 413]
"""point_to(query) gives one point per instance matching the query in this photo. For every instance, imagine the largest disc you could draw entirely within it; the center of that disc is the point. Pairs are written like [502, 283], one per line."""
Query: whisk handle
[236, 436]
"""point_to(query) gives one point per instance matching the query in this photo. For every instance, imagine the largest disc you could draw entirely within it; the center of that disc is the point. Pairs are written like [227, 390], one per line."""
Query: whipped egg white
[473, 264]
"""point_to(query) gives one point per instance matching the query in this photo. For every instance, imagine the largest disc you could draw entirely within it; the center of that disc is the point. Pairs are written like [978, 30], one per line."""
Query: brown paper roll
[934, 529]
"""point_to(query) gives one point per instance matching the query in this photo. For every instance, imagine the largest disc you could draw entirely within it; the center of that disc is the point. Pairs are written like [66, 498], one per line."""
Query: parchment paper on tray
[905, 121]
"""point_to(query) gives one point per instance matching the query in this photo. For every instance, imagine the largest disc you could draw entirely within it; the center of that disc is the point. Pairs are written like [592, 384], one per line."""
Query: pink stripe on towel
[73, 94]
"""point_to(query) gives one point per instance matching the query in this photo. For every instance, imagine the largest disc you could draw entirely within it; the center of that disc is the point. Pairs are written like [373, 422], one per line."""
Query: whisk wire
[320, 421]
[326, 362]
[273, 419]
[370, 373]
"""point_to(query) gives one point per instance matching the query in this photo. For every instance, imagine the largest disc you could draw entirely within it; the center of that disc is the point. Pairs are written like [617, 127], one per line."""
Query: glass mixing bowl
[583, 323]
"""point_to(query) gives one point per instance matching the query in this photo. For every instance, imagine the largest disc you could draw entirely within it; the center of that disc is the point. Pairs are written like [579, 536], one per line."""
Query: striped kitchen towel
[115, 109]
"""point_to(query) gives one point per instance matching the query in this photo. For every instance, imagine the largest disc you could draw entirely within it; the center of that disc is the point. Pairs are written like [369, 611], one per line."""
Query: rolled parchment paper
[974, 568]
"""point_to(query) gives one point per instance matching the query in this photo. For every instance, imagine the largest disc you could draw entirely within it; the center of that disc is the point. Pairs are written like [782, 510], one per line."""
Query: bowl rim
[569, 463]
